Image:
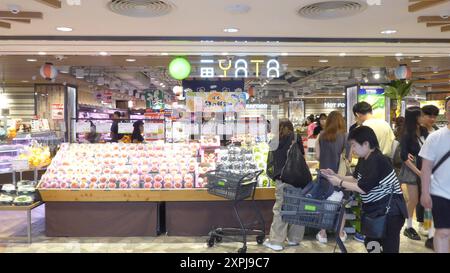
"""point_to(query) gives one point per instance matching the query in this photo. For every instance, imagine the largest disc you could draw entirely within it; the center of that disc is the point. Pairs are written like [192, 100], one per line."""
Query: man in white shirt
[382, 129]
[435, 177]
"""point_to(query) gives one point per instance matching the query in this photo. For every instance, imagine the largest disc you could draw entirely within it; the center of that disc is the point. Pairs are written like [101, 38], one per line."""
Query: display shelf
[140, 195]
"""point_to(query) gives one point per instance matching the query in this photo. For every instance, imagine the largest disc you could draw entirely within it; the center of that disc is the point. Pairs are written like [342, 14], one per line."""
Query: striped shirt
[377, 178]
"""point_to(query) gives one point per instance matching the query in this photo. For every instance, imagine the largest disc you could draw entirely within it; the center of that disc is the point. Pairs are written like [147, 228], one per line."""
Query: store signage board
[151, 128]
[216, 101]
[333, 105]
[57, 111]
[125, 128]
[19, 165]
[241, 68]
[104, 127]
[83, 127]
[374, 95]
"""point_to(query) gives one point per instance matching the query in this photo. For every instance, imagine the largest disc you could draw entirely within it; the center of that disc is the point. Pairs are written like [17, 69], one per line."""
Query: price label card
[209, 129]
[125, 128]
[253, 128]
[20, 165]
[229, 128]
[220, 129]
[151, 128]
[241, 126]
[104, 127]
[83, 127]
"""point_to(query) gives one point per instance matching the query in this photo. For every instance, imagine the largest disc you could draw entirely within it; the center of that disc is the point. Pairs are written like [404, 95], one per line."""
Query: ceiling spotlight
[31, 60]
[343, 54]
[343, 94]
[64, 29]
[42, 53]
[323, 61]
[376, 76]
[389, 31]
[230, 30]
[103, 53]
[164, 54]
[398, 54]
[365, 79]
[130, 60]
[416, 61]
[284, 54]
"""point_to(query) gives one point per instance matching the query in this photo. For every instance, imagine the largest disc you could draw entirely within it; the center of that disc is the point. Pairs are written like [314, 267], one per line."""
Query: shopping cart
[321, 214]
[236, 188]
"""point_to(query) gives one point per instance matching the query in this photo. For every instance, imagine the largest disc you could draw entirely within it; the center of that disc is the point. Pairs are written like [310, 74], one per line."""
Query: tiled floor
[14, 224]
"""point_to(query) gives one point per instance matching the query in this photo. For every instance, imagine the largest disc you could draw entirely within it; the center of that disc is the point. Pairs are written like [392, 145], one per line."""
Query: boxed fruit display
[120, 166]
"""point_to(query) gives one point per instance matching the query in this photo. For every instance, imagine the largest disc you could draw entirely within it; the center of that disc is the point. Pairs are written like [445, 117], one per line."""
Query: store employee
[115, 136]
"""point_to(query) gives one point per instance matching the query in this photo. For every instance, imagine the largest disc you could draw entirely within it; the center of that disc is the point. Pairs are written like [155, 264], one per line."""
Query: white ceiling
[204, 18]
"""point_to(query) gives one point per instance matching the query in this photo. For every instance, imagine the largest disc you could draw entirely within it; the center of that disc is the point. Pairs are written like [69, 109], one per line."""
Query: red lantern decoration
[48, 71]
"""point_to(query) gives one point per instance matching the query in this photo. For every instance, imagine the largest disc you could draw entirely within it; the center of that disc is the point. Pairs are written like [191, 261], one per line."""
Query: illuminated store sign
[241, 68]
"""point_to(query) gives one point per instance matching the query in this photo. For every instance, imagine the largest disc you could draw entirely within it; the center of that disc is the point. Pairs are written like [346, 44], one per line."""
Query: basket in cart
[236, 188]
[231, 186]
[321, 214]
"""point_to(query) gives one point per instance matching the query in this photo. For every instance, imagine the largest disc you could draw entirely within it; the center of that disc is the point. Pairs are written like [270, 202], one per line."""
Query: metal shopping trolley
[321, 214]
[236, 188]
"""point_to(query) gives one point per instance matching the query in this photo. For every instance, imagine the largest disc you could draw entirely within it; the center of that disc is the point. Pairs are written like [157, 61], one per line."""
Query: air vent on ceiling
[141, 8]
[332, 9]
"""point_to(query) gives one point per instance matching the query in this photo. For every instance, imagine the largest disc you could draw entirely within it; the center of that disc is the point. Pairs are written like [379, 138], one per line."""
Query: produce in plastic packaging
[134, 185]
[148, 185]
[157, 185]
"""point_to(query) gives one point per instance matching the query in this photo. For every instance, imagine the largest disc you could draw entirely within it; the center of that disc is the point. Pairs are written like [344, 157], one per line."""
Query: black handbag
[295, 171]
[374, 225]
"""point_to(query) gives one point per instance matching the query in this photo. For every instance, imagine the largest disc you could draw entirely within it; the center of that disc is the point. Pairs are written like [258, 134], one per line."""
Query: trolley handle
[251, 177]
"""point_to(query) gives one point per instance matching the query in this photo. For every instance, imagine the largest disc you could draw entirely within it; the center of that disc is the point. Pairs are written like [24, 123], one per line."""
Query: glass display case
[9, 153]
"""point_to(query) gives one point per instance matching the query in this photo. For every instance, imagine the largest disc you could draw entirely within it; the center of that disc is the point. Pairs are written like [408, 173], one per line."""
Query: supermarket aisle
[14, 224]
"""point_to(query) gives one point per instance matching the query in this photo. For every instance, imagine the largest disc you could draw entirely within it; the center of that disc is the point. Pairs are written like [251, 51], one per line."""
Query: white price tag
[241, 126]
[83, 127]
[229, 128]
[151, 128]
[20, 165]
[220, 129]
[104, 127]
[125, 128]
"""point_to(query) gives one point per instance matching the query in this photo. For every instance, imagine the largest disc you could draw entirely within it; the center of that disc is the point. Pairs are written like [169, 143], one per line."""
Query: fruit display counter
[131, 190]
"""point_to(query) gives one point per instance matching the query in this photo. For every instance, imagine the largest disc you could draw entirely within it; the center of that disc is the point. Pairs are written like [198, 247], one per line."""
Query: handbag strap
[442, 160]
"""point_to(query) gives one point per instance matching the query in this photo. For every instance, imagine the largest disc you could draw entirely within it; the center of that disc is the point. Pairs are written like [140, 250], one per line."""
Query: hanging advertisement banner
[216, 101]
[57, 110]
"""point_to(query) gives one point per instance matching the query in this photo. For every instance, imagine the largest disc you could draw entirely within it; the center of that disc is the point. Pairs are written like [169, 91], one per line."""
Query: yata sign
[241, 68]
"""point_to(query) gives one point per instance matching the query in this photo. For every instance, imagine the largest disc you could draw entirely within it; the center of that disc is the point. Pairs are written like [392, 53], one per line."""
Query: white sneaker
[289, 243]
[322, 240]
[343, 239]
[272, 246]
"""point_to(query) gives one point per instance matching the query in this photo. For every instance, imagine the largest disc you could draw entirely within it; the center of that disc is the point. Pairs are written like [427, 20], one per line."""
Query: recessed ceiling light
[206, 61]
[130, 60]
[284, 54]
[42, 53]
[398, 54]
[376, 76]
[224, 53]
[323, 61]
[342, 54]
[389, 31]
[230, 30]
[343, 94]
[24, 81]
[435, 72]
[164, 54]
[416, 61]
[64, 29]
[31, 60]
[103, 53]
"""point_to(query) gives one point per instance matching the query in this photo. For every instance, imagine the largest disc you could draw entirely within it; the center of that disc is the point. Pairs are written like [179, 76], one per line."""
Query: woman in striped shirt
[375, 179]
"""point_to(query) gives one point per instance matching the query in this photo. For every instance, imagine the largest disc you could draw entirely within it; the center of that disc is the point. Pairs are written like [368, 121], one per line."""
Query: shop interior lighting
[398, 54]
[343, 54]
[31, 60]
[323, 61]
[64, 29]
[42, 53]
[103, 53]
[389, 31]
[230, 30]
[130, 60]
[416, 61]
[206, 61]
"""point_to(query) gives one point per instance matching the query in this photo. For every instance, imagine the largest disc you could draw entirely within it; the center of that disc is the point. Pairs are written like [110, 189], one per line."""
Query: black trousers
[390, 243]
[420, 210]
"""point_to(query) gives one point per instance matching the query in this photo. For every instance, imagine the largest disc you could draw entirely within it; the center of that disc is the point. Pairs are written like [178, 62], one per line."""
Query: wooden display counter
[123, 213]
[141, 195]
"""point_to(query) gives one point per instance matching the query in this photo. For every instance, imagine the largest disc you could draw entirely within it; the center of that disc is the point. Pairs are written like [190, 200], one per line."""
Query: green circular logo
[179, 68]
